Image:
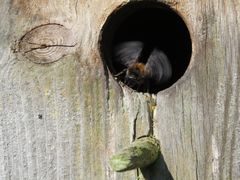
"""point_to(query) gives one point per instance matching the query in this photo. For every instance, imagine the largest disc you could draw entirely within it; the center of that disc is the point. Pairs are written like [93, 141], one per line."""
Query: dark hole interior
[152, 22]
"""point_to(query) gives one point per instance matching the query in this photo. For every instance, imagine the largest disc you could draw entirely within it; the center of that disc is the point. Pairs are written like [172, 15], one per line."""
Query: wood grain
[63, 120]
[197, 119]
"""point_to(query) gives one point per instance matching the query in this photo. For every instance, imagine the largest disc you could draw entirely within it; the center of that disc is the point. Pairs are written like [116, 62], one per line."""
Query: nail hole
[152, 23]
[40, 116]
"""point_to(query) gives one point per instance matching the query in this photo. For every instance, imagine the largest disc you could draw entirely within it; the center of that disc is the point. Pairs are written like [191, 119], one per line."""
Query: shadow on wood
[157, 170]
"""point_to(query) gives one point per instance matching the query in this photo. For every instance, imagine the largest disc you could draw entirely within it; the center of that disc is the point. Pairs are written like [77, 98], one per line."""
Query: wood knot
[46, 43]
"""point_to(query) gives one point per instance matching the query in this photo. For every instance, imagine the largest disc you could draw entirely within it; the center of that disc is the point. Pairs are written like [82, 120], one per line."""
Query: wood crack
[135, 124]
[44, 46]
[151, 105]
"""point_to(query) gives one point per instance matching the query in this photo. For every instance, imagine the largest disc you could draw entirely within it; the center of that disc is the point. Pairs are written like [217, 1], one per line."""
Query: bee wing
[158, 67]
[127, 53]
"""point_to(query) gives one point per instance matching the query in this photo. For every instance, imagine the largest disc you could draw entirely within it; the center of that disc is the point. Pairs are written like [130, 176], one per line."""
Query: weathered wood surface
[197, 120]
[63, 120]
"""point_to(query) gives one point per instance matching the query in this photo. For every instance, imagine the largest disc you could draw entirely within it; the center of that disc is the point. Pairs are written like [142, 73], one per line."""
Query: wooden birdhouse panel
[64, 113]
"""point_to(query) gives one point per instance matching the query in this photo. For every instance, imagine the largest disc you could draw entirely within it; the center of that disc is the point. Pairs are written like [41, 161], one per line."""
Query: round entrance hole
[144, 23]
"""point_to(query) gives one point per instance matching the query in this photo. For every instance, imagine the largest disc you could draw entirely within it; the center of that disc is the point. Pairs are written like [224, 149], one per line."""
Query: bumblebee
[144, 65]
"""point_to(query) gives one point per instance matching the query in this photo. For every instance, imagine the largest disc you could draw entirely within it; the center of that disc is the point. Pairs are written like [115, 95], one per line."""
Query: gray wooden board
[63, 120]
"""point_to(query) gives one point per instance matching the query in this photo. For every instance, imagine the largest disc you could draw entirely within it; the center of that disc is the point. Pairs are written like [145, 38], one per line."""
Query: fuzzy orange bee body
[135, 75]
[144, 66]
